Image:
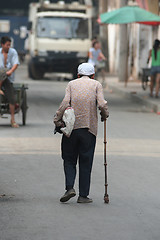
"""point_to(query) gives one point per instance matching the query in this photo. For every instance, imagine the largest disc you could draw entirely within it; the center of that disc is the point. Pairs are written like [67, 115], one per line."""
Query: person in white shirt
[9, 59]
[97, 59]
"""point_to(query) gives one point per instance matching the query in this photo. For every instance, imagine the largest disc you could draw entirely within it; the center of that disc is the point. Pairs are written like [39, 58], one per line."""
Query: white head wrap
[86, 69]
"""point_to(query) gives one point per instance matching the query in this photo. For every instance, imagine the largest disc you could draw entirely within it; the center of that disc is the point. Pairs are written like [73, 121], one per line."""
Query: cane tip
[106, 199]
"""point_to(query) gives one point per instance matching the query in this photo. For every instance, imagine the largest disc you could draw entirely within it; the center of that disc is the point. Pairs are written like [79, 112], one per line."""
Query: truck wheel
[29, 70]
[75, 73]
[34, 72]
[24, 107]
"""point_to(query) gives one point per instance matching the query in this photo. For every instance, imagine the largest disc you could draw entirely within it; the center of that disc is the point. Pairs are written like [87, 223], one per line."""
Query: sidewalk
[134, 91]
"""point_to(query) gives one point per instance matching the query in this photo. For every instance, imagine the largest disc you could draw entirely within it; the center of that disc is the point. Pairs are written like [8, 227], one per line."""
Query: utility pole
[103, 7]
[123, 51]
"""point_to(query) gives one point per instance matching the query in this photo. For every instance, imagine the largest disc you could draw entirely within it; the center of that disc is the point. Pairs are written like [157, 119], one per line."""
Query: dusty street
[32, 180]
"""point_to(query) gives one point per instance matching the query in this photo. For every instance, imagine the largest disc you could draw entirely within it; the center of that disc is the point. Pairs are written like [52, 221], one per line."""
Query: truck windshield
[62, 27]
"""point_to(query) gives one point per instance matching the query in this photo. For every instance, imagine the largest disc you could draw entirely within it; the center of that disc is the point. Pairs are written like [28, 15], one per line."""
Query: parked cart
[20, 99]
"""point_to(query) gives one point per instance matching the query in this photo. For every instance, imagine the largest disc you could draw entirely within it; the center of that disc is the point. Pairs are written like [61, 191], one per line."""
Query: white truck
[59, 37]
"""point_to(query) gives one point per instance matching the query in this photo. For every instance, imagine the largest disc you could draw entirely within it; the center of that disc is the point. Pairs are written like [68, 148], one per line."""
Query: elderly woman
[84, 95]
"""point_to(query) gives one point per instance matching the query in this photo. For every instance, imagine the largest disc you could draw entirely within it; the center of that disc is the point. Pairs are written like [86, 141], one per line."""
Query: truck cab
[59, 38]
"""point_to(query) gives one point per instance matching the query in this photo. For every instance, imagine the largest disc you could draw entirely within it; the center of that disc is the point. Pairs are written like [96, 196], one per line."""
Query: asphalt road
[32, 180]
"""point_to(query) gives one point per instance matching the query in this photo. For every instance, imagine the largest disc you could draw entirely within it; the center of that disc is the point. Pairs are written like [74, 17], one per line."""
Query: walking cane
[106, 196]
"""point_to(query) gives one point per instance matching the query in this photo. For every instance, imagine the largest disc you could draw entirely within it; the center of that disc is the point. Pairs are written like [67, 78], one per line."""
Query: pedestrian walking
[97, 58]
[9, 60]
[155, 67]
[84, 95]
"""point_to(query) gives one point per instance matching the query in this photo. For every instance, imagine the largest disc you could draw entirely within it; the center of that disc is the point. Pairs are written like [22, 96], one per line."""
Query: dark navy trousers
[79, 146]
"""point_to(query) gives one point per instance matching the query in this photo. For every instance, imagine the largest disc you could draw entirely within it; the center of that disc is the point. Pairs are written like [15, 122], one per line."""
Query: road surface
[32, 179]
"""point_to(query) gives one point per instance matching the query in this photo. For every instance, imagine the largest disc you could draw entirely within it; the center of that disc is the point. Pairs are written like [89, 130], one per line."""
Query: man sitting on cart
[9, 60]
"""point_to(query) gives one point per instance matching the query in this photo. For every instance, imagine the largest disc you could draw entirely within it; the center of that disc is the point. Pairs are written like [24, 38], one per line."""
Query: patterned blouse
[84, 95]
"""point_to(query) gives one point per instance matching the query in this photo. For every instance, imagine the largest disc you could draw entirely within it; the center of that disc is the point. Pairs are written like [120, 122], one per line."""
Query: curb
[154, 107]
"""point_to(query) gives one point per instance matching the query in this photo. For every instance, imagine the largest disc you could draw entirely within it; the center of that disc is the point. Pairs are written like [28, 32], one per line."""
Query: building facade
[140, 40]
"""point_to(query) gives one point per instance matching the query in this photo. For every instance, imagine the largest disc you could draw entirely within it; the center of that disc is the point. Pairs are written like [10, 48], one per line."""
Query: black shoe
[68, 194]
[84, 200]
